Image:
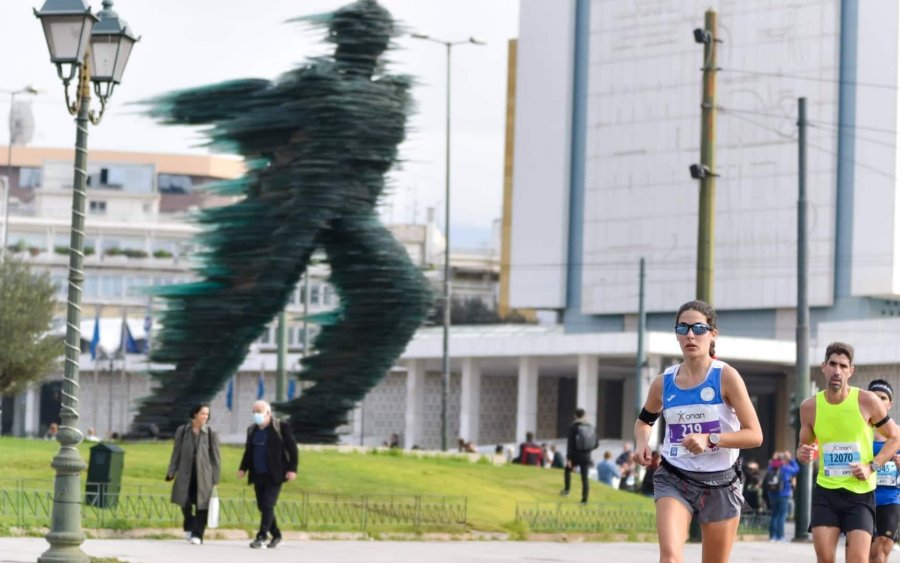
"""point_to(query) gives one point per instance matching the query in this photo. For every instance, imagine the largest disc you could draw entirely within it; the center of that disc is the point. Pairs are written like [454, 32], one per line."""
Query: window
[174, 184]
[98, 207]
[29, 177]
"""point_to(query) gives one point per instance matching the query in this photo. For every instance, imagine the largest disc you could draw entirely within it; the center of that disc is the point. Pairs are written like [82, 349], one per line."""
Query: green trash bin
[104, 476]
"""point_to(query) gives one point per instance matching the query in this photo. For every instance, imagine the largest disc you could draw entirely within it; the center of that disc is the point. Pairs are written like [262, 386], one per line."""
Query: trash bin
[104, 476]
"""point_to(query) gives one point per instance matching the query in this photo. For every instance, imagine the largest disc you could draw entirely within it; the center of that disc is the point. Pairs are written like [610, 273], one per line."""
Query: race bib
[695, 419]
[837, 457]
[887, 475]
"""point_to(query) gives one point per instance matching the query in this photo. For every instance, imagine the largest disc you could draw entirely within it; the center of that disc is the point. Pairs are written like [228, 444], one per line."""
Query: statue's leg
[384, 298]
[251, 268]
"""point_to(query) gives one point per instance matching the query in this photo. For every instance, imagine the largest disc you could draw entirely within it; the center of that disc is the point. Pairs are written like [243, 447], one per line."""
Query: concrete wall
[644, 130]
[540, 199]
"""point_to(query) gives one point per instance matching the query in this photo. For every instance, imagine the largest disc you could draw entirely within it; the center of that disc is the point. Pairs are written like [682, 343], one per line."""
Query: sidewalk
[16, 550]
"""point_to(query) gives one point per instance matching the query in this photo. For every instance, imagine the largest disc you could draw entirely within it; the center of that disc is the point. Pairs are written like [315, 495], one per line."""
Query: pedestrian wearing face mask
[270, 459]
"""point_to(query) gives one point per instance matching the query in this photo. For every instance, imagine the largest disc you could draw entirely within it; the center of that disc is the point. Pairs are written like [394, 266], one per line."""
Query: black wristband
[882, 422]
[648, 417]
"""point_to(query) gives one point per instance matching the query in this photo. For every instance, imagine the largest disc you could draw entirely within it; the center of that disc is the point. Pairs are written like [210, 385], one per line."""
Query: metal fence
[29, 503]
[607, 517]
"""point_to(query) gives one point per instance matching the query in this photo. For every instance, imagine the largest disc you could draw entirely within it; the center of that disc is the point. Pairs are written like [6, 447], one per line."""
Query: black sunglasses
[698, 328]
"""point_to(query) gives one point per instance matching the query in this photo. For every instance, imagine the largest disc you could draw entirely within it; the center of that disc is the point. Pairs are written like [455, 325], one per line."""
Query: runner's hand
[642, 455]
[290, 476]
[860, 470]
[695, 443]
[807, 452]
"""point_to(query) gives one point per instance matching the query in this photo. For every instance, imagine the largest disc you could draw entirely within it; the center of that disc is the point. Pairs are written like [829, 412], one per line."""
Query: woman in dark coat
[195, 466]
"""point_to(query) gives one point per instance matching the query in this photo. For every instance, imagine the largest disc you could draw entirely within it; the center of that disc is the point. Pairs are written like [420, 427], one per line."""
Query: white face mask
[259, 418]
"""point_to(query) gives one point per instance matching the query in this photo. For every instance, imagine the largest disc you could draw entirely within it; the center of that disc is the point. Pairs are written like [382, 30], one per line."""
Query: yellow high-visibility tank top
[844, 437]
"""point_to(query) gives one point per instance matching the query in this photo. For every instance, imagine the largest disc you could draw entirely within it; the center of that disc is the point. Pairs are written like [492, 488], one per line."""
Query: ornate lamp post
[69, 26]
[445, 363]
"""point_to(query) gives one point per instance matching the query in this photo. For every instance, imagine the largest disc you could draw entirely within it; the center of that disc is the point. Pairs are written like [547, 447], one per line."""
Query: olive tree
[27, 349]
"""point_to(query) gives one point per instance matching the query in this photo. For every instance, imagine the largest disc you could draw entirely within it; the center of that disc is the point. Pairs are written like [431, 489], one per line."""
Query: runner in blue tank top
[709, 418]
[887, 495]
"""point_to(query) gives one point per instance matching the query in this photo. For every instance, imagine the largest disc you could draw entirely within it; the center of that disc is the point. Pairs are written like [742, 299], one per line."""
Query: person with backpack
[529, 452]
[270, 459]
[779, 487]
[582, 440]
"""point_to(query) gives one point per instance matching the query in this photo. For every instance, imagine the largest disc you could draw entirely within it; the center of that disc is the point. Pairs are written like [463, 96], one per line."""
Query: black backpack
[772, 482]
[585, 438]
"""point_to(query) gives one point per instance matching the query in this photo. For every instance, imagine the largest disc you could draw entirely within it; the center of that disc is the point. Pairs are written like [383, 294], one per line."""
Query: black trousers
[584, 466]
[194, 523]
[267, 491]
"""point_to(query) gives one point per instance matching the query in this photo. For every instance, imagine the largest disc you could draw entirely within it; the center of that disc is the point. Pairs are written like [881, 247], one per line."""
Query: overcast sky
[192, 42]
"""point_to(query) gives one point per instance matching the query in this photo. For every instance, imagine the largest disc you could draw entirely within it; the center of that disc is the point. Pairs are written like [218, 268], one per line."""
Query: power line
[810, 78]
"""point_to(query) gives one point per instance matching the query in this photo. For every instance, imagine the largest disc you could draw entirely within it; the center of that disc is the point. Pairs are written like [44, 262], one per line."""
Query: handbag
[212, 519]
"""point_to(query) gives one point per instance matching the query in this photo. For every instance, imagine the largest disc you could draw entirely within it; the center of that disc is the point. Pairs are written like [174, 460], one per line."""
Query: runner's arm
[642, 430]
[807, 447]
[734, 391]
[877, 411]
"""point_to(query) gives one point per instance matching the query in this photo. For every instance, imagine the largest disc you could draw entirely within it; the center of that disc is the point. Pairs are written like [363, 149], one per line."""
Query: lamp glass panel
[67, 36]
[125, 46]
[103, 57]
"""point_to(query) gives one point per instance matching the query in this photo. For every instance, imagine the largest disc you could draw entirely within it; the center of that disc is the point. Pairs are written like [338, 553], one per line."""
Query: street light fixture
[69, 25]
[445, 371]
[12, 102]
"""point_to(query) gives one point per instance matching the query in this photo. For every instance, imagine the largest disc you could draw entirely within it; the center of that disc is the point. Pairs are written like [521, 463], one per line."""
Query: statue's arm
[206, 104]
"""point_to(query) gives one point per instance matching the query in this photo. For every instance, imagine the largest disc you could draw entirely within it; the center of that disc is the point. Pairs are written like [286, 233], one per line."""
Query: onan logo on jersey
[687, 416]
[843, 448]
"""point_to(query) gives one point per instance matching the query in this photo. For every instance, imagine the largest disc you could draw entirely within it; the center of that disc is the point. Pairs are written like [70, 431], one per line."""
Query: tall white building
[606, 96]
[607, 123]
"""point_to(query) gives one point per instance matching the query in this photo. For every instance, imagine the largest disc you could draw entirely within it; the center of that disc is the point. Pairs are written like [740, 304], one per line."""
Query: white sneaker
[195, 540]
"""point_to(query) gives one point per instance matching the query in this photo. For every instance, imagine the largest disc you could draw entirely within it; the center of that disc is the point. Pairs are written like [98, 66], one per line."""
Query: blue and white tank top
[886, 492]
[698, 410]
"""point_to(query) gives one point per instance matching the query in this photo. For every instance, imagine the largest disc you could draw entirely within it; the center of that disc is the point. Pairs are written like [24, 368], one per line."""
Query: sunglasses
[698, 328]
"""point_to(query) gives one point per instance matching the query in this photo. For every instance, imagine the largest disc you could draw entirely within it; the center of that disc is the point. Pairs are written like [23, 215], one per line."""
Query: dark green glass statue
[318, 142]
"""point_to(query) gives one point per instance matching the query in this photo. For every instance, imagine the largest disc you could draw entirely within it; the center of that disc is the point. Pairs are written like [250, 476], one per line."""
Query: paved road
[15, 550]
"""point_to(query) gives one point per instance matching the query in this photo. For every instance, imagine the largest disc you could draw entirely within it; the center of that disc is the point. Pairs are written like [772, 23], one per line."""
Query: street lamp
[69, 26]
[12, 102]
[445, 371]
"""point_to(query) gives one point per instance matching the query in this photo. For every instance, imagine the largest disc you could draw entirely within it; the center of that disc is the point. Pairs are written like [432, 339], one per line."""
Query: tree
[27, 350]
[471, 311]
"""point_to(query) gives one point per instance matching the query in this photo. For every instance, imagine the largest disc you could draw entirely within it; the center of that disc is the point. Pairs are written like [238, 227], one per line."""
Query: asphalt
[486, 551]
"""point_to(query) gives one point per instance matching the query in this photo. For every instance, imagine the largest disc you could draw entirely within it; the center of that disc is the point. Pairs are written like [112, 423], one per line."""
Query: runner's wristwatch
[714, 439]
[874, 466]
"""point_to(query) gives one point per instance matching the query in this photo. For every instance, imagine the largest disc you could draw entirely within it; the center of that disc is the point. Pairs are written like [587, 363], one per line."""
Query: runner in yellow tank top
[836, 424]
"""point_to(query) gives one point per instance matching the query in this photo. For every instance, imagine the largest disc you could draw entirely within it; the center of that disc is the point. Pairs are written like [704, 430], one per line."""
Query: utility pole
[801, 374]
[706, 173]
[642, 327]
[281, 365]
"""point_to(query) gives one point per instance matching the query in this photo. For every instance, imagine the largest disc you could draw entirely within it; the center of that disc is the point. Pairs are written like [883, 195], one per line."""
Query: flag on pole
[131, 346]
[292, 389]
[229, 394]
[261, 387]
[95, 339]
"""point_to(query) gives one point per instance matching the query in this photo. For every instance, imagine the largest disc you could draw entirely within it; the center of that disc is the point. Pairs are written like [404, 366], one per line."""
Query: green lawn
[492, 491]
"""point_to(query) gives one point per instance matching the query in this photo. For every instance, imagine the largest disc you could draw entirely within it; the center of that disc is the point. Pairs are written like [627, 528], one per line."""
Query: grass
[492, 491]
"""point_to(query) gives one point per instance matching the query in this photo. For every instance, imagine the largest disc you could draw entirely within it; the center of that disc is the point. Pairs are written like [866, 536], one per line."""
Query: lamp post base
[65, 547]
[66, 536]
